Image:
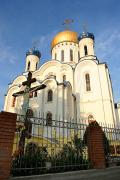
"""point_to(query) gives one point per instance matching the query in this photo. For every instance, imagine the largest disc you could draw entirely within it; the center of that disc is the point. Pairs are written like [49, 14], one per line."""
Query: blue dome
[86, 35]
[33, 52]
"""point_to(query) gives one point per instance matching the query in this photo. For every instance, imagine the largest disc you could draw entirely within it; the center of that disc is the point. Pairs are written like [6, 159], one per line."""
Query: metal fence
[45, 146]
[112, 144]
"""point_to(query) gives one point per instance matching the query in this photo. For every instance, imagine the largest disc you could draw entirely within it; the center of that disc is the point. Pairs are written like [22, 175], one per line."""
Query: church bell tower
[86, 44]
[32, 60]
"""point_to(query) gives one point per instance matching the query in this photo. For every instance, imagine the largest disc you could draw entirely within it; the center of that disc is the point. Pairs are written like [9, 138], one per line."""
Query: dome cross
[67, 23]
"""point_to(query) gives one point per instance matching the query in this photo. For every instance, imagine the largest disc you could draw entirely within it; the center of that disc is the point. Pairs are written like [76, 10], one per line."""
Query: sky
[25, 23]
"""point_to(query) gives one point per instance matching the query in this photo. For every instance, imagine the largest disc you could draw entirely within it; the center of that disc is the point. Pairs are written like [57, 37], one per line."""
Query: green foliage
[28, 163]
[70, 157]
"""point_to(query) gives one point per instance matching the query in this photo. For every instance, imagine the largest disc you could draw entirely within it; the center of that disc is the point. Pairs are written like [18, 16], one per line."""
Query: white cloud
[108, 43]
[6, 51]
[43, 43]
[6, 54]
[108, 49]
[47, 38]
[44, 40]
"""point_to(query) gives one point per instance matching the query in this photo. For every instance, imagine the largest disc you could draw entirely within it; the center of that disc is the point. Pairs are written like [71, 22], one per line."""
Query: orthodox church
[78, 85]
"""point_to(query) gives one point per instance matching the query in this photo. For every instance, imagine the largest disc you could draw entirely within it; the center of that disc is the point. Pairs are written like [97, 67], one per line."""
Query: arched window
[50, 95]
[29, 113]
[55, 56]
[87, 78]
[71, 55]
[85, 50]
[64, 77]
[78, 55]
[62, 55]
[35, 94]
[28, 123]
[49, 119]
[13, 101]
[28, 66]
[36, 66]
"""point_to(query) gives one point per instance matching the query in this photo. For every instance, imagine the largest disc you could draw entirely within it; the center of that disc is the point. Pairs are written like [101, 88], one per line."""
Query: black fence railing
[112, 147]
[45, 145]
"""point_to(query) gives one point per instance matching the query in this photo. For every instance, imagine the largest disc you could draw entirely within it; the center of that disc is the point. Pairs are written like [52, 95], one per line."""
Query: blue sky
[23, 22]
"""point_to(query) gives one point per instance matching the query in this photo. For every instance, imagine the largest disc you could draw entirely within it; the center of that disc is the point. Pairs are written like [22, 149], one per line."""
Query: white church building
[78, 85]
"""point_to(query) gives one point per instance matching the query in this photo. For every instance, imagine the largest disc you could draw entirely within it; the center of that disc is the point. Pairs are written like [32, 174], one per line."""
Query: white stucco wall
[96, 102]
[14, 87]
[66, 46]
[90, 46]
[33, 61]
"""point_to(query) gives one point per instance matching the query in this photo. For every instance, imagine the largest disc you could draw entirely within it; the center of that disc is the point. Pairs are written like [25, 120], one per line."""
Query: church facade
[78, 85]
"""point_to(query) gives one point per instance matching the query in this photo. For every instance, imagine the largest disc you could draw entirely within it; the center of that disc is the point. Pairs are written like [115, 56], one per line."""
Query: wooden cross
[28, 88]
[25, 93]
[29, 81]
[26, 132]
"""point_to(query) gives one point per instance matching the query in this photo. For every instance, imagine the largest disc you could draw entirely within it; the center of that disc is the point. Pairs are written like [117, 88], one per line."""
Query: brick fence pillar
[95, 143]
[7, 130]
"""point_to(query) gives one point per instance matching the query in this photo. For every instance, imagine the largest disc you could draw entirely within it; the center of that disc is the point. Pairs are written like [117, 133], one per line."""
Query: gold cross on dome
[67, 23]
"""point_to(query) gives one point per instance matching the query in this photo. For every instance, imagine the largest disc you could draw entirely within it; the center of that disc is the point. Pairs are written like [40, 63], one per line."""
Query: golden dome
[65, 36]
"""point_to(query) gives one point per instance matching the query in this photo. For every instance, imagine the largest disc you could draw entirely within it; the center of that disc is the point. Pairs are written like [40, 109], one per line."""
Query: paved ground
[112, 173]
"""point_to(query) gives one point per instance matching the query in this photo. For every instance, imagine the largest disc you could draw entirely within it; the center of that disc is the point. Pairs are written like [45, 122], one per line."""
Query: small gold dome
[65, 36]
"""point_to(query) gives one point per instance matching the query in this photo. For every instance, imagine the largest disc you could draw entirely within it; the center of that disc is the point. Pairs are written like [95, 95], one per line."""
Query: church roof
[86, 35]
[65, 36]
[33, 51]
